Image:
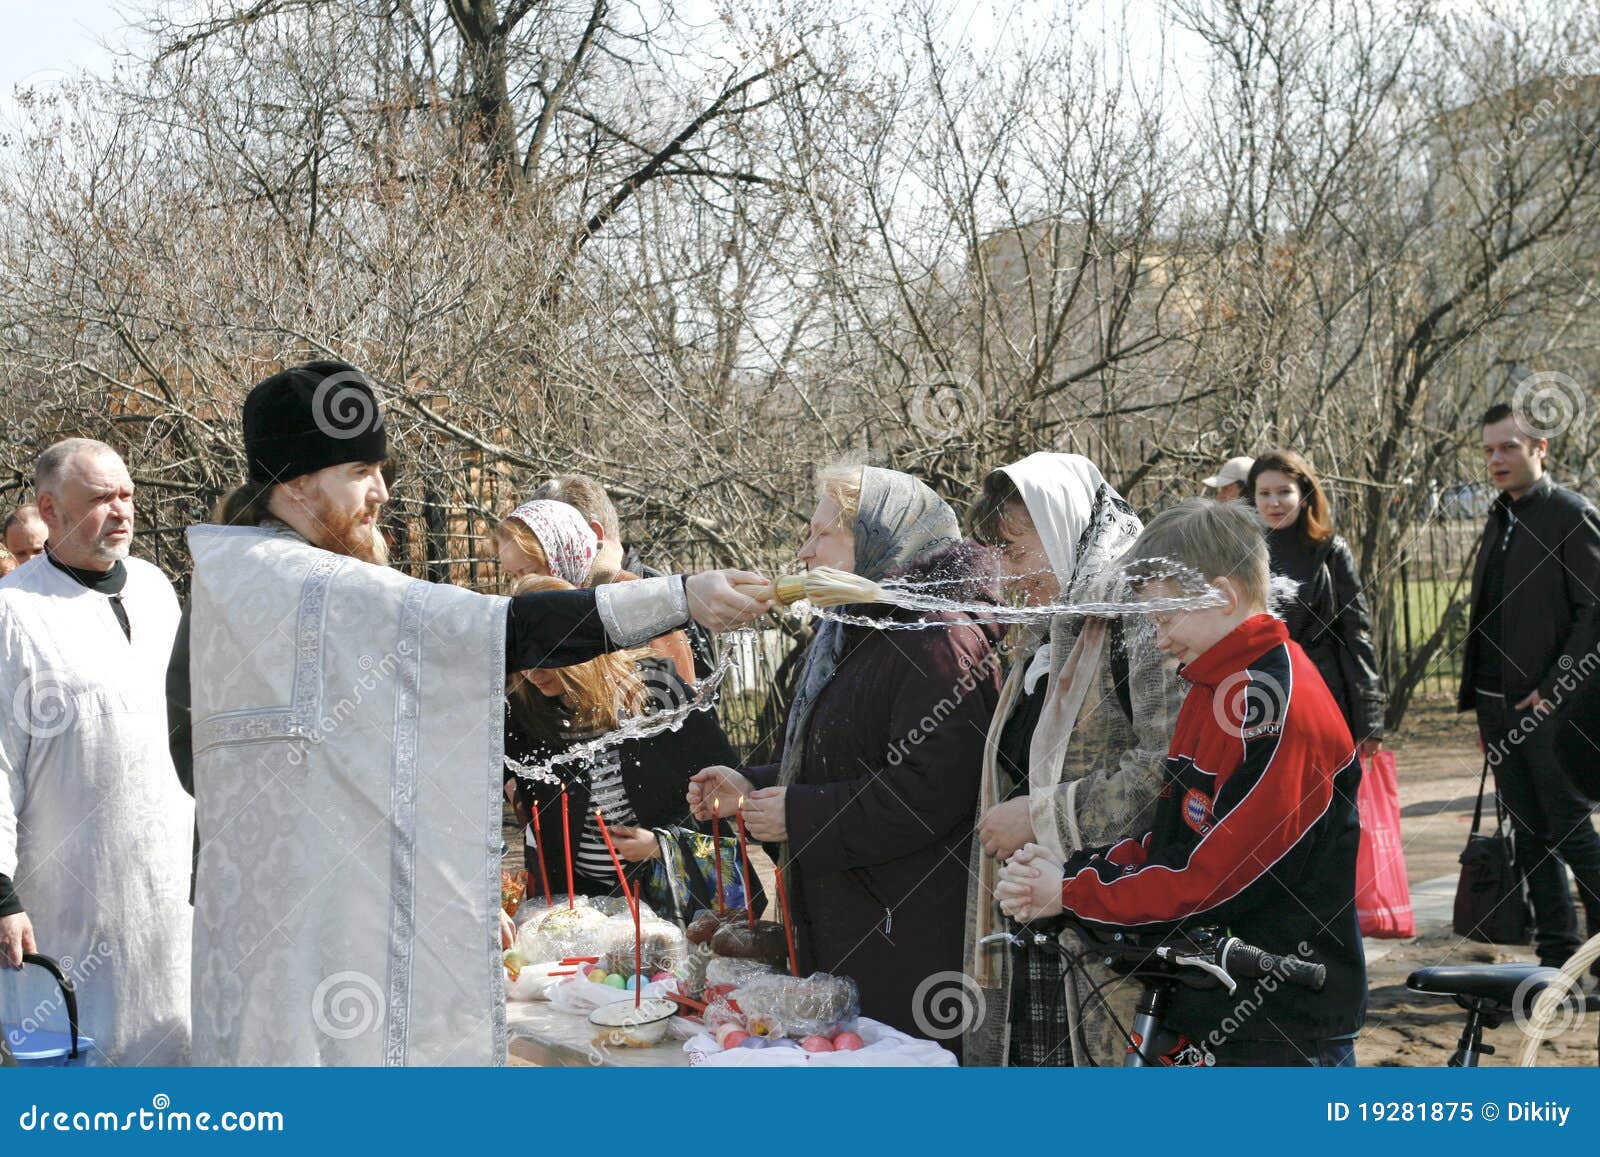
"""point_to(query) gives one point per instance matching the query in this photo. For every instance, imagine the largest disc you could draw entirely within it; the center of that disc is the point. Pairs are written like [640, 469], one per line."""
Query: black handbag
[1491, 895]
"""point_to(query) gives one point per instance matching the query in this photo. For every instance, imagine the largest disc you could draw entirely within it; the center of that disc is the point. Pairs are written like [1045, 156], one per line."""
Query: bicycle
[1490, 993]
[1200, 958]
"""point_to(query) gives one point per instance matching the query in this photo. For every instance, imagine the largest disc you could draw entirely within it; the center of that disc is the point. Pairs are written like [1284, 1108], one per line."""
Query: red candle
[633, 906]
[716, 845]
[538, 842]
[566, 846]
[744, 856]
[788, 928]
[616, 860]
[638, 959]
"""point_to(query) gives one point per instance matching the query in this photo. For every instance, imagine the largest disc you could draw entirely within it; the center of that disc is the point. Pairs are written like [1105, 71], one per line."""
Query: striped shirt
[606, 792]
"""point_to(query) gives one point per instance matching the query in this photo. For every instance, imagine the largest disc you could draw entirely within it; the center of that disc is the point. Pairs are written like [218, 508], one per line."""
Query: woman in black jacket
[640, 784]
[1328, 616]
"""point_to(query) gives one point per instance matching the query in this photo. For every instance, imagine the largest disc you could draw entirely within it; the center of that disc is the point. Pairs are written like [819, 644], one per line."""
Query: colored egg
[598, 975]
[615, 981]
[817, 1044]
[660, 977]
[631, 984]
[848, 1042]
[753, 1042]
[589, 966]
[737, 1037]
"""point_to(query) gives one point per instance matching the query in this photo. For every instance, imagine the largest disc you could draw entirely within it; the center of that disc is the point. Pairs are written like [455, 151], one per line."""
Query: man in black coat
[1530, 646]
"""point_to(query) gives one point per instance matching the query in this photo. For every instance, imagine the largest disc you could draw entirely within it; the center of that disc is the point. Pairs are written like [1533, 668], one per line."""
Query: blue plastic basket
[48, 1048]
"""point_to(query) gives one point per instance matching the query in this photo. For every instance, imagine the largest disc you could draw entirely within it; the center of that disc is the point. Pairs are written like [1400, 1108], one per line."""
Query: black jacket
[1549, 619]
[655, 775]
[880, 818]
[1329, 619]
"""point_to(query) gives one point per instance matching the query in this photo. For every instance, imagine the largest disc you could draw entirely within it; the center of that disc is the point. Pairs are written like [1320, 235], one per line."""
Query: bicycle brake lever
[1215, 970]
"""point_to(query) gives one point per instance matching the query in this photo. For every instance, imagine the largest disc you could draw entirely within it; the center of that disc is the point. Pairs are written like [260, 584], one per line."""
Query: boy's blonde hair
[1218, 539]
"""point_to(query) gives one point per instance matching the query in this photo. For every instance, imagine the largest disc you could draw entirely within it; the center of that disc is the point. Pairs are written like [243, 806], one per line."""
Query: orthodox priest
[94, 831]
[341, 726]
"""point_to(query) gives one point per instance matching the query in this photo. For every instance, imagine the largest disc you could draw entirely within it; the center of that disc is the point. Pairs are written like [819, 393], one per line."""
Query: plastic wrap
[557, 933]
[662, 945]
[513, 887]
[703, 927]
[726, 973]
[819, 1005]
[719, 1012]
[765, 941]
[696, 958]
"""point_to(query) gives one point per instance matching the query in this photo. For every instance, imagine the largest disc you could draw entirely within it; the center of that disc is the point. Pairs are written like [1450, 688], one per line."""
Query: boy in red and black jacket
[1256, 829]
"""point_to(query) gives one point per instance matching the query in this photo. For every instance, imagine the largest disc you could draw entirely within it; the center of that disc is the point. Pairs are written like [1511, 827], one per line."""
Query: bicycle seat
[1493, 982]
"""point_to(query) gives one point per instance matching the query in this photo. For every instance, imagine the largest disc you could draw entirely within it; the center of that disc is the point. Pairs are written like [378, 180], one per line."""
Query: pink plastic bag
[1383, 896]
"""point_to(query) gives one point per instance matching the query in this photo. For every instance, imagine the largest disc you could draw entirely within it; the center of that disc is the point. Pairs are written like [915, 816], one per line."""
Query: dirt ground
[1439, 765]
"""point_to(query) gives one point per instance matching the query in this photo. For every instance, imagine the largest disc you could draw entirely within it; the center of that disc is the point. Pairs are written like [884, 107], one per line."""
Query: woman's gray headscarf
[899, 521]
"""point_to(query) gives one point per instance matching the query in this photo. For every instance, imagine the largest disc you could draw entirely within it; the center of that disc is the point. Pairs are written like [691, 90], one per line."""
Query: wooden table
[549, 1039]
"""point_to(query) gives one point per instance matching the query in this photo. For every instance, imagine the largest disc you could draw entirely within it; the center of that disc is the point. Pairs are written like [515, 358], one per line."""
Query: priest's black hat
[308, 417]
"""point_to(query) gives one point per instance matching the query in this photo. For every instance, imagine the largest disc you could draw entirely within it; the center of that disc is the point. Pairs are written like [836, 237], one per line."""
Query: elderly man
[94, 832]
[26, 533]
[342, 726]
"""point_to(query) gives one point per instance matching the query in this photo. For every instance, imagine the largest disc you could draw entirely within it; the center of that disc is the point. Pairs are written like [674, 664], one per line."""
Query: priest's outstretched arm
[547, 629]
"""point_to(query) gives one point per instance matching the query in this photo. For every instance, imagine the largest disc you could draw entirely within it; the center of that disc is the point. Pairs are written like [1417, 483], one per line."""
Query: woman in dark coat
[1328, 615]
[639, 784]
[873, 797]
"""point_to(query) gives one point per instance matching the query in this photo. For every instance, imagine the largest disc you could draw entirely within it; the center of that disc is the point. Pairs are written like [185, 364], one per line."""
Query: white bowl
[633, 1027]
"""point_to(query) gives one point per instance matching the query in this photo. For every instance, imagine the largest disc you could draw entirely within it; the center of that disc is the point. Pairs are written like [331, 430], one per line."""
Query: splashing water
[1113, 594]
[582, 756]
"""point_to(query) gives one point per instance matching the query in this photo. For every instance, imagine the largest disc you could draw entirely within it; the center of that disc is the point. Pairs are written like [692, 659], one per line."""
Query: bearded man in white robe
[94, 829]
[341, 726]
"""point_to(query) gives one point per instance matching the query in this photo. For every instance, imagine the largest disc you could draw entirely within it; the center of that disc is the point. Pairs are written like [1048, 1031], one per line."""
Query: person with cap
[1229, 482]
[341, 726]
[94, 831]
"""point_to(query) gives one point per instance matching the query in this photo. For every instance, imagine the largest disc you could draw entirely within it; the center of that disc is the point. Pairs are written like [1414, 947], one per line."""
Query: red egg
[735, 1038]
[817, 1044]
[587, 967]
[660, 976]
[848, 1042]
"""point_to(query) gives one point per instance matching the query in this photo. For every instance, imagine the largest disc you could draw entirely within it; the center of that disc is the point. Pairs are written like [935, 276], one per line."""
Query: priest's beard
[346, 532]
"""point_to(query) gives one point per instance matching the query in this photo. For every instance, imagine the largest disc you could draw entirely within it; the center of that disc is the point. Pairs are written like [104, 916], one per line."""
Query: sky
[48, 39]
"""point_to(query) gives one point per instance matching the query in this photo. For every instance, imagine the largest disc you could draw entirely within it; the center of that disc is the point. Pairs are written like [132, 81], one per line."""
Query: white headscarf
[569, 543]
[1059, 491]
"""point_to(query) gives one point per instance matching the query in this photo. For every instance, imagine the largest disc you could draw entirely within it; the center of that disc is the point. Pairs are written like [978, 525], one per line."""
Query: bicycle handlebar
[1247, 962]
[1200, 958]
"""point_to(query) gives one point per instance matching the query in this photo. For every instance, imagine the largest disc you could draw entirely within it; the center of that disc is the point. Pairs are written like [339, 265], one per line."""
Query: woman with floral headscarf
[552, 539]
[1074, 753]
[872, 799]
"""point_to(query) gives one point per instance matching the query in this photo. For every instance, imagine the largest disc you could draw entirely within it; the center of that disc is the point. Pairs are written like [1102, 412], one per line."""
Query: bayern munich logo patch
[1197, 810]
